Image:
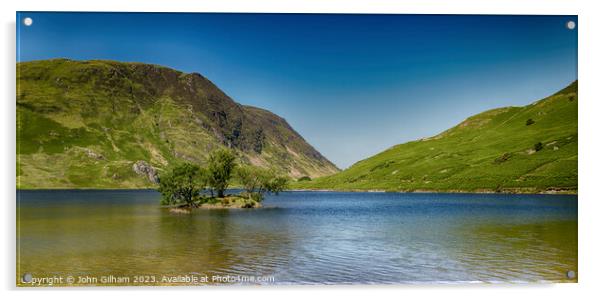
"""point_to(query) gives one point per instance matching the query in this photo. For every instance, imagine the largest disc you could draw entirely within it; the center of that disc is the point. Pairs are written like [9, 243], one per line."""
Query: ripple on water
[306, 237]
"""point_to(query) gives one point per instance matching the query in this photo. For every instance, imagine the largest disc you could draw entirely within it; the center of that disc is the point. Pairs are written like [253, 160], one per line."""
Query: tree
[270, 182]
[249, 177]
[182, 185]
[277, 184]
[221, 165]
[257, 181]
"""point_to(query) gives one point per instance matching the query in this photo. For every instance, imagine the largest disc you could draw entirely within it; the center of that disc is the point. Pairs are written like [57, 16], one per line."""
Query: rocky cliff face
[144, 169]
[129, 113]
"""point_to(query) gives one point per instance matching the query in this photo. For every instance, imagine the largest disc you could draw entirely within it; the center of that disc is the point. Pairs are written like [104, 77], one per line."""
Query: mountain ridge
[107, 115]
[493, 151]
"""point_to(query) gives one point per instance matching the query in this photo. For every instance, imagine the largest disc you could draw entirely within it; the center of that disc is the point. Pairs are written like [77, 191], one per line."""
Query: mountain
[107, 124]
[527, 149]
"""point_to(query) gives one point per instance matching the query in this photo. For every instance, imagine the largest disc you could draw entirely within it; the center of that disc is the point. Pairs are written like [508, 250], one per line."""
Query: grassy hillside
[492, 151]
[85, 124]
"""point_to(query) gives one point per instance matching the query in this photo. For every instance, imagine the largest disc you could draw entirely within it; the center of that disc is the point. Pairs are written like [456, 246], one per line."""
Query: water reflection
[303, 237]
[546, 250]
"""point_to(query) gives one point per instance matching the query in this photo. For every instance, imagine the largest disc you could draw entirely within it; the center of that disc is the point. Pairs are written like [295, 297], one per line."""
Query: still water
[301, 238]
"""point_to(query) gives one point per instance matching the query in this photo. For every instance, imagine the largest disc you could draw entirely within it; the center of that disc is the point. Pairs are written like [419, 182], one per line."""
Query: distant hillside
[107, 124]
[513, 149]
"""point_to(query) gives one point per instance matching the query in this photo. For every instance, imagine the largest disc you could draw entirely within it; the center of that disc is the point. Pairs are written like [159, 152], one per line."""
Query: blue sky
[351, 85]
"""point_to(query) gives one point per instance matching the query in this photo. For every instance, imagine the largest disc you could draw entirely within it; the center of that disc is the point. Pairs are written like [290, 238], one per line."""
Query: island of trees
[188, 186]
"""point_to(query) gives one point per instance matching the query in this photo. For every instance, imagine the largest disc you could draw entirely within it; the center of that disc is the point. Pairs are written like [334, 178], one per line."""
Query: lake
[298, 238]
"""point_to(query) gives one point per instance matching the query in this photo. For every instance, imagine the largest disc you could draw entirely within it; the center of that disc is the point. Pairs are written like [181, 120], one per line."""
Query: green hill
[513, 149]
[106, 124]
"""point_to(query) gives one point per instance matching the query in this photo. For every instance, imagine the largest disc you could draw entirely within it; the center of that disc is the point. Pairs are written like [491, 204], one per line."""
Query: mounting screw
[570, 274]
[570, 25]
[27, 277]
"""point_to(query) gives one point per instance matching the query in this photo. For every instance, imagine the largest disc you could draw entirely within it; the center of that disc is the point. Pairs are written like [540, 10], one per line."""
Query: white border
[590, 149]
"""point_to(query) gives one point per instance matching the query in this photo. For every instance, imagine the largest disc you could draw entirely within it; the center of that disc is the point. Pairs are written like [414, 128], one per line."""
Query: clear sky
[351, 85]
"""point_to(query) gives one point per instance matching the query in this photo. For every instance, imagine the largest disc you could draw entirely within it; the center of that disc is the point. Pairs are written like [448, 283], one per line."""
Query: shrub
[248, 204]
[304, 179]
[538, 146]
[256, 197]
[503, 158]
[530, 122]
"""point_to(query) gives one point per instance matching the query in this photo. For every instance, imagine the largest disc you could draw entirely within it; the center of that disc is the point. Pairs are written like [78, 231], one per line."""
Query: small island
[188, 186]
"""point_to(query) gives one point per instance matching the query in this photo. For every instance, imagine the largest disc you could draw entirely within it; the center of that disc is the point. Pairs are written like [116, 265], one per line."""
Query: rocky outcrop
[91, 154]
[144, 169]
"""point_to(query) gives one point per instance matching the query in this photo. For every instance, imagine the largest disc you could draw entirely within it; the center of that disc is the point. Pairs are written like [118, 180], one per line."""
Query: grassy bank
[529, 149]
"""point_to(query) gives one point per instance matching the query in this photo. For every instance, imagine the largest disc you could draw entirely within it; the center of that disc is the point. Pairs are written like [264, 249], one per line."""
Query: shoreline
[420, 191]
[188, 210]
[426, 191]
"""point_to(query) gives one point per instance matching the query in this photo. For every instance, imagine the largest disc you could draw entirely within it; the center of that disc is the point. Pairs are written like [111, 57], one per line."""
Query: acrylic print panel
[223, 149]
